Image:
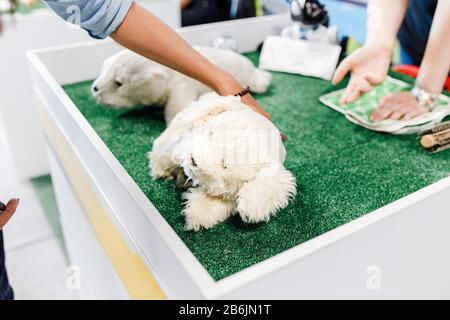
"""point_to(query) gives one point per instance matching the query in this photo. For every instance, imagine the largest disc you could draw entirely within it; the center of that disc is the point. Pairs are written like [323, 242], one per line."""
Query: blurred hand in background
[8, 211]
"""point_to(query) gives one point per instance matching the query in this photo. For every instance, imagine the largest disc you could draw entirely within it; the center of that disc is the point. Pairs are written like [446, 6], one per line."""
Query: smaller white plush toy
[128, 79]
[232, 156]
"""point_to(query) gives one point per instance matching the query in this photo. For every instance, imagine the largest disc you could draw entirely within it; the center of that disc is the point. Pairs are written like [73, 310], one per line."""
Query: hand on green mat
[398, 106]
[368, 66]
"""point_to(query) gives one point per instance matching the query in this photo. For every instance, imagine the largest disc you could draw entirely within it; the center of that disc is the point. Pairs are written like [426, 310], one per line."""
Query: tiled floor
[35, 256]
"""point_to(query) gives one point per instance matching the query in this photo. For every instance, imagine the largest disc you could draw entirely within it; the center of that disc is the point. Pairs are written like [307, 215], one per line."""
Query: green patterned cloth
[359, 111]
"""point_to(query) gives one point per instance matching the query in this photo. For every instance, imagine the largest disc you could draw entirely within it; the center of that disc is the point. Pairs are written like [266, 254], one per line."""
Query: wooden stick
[435, 139]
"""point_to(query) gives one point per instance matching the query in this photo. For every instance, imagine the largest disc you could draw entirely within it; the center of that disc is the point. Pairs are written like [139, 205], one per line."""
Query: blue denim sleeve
[99, 17]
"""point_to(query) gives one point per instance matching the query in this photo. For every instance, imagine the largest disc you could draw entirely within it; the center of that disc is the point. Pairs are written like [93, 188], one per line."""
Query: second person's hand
[398, 106]
[368, 66]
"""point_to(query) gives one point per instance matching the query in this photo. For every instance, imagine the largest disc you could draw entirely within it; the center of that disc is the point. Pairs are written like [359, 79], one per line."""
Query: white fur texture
[128, 79]
[232, 156]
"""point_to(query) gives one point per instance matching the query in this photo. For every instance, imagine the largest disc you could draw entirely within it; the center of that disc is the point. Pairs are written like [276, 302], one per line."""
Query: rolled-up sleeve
[99, 17]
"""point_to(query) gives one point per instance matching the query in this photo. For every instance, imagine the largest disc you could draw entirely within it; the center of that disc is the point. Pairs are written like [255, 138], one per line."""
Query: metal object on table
[425, 98]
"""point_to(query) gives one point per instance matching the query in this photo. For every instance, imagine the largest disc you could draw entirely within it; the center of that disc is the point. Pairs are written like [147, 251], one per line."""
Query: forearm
[145, 34]
[436, 62]
[384, 18]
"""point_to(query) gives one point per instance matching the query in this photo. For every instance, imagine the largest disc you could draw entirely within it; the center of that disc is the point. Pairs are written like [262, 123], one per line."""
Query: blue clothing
[415, 29]
[99, 17]
[404, 57]
[6, 293]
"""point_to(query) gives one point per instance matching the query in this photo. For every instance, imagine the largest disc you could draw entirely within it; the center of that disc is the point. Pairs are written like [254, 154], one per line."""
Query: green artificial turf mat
[343, 171]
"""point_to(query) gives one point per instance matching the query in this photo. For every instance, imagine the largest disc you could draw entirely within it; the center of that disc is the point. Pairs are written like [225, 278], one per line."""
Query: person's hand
[251, 102]
[398, 106]
[368, 66]
[248, 100]
[8, 211]
[229, 86]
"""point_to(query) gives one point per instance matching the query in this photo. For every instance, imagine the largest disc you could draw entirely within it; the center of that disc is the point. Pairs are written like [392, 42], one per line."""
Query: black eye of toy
[119, 84]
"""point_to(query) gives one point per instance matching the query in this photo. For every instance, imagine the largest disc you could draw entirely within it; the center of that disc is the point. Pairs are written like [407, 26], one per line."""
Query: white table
[126, 249]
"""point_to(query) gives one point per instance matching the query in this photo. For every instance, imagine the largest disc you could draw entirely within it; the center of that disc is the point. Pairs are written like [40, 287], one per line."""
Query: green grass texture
[343, 171]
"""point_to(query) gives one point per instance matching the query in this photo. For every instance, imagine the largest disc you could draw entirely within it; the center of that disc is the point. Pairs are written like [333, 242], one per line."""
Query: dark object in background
[205, 11]
[344, 45]
[6, 292]
[415, 29]
[309, 13]
[245, 9]
[208, 11]
[2, 206]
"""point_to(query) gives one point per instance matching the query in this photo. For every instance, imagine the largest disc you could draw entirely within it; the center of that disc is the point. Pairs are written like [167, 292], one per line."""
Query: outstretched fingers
[356, 88]
[340, 73]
